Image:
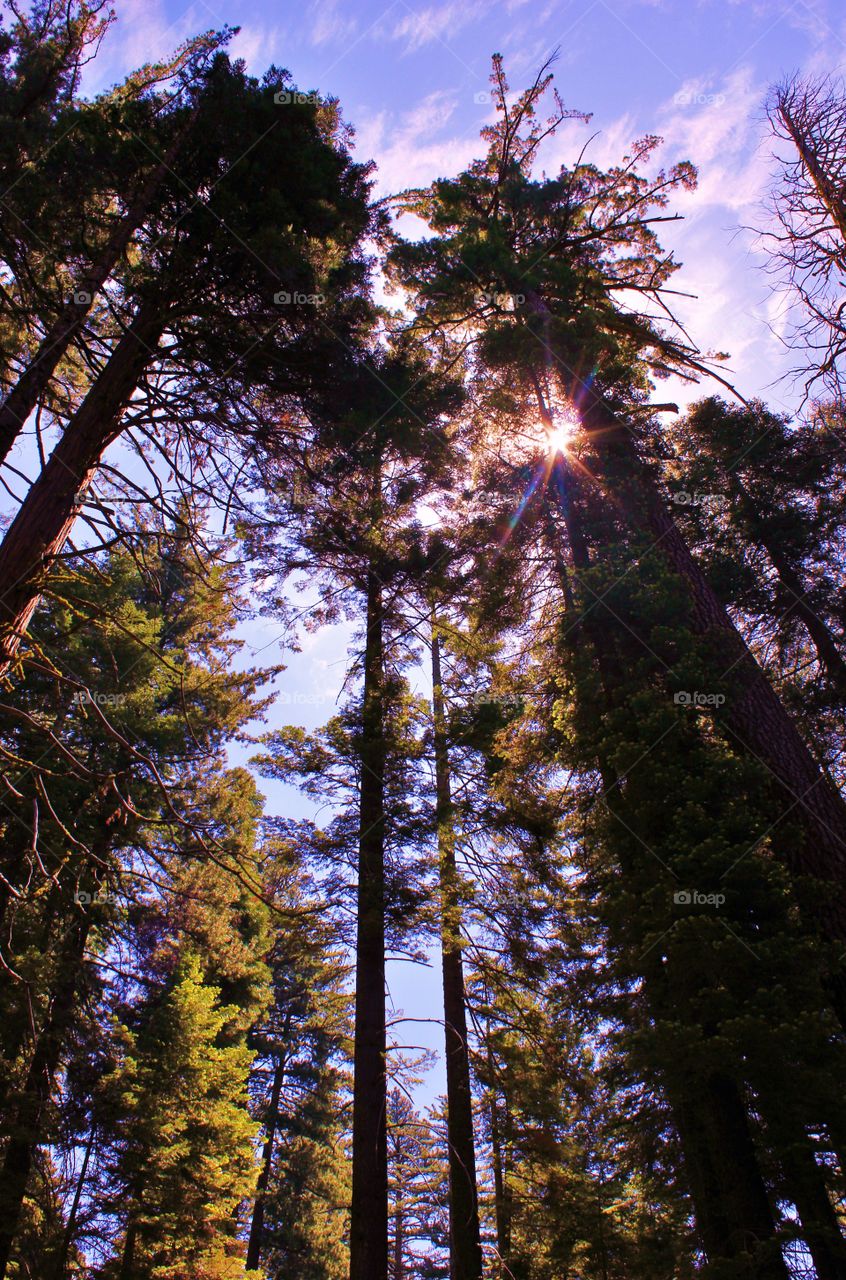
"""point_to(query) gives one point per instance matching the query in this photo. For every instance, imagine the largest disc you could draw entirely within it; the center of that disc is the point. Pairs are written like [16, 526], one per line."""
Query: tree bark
[821, 1228]
[465, 1242]
[734, 1218]
[46, 517]
[731, 1205]
[257, 1225]
[24, 396]
[822, 638]
[70, 1225]
[823, 184]
[369, 1212]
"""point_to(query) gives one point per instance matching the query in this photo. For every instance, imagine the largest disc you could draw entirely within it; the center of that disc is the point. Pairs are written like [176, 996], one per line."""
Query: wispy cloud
[436, 22]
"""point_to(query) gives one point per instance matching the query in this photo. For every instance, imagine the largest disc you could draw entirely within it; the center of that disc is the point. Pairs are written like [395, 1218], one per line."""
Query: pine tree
[205, 283]
[186, 1157]
[87, 834]
[299, 1082]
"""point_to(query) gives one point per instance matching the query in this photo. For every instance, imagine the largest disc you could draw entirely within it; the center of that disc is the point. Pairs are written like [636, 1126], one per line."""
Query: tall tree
[465, 1242]
[537, 269]
[212, 280]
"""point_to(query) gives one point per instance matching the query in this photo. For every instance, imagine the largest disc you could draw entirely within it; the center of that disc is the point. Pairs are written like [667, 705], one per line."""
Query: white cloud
[407, 150]
[437, 22]
[331, 23]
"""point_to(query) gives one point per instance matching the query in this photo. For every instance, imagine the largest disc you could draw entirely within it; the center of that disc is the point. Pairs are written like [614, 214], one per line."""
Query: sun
[562, 433]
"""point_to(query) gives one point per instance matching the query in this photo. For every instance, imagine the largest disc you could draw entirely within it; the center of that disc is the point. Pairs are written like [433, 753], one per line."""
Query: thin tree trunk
[46, 517]
[823, 184]
[24, 396]
[127, 1261]
[821, 636]
[70, 1225]
[502, 1197]
[399, 1241]
[257, 1225]
[369, 1213]
[465, 1242]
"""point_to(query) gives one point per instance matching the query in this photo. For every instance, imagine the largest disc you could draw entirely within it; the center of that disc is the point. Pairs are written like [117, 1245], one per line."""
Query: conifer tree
[537, 269]
[234, 328]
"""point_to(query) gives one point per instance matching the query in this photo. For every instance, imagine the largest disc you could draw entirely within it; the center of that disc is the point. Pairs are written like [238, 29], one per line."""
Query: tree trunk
[465, 1243]
[257, 1225]
[399, 1239]
[24, 396]
[369, 1213]
[502, 1193]
[825, 187]
[828, 652]
[46, 517]
[755, 718]
[732, 1209]
[70, 1225]
[804, 1184]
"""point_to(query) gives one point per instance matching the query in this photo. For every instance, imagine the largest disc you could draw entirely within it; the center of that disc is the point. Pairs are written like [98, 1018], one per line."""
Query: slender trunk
[399, 1241]
[257, 1225]
[822, 638]
[465, 1242]
[70, 1226]
[46, 517]
[502, 1196]
[127, 1261]
[369, 1213]
[26, 1133]
[24, 396]
[826, 188]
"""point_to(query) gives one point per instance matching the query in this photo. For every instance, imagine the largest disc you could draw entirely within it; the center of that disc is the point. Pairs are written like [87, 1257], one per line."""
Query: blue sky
[412, 78]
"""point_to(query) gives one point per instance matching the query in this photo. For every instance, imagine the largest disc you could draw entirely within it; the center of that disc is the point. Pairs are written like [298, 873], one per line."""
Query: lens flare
[562, 433]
